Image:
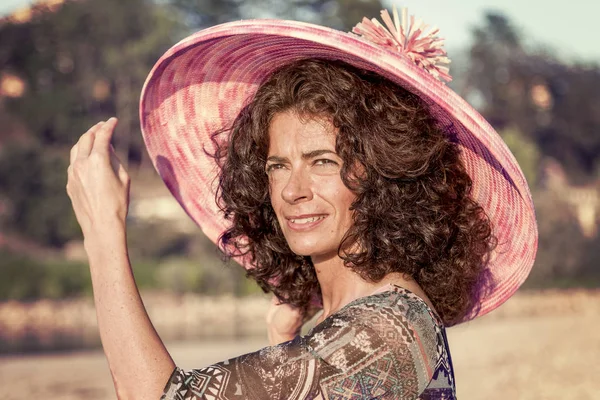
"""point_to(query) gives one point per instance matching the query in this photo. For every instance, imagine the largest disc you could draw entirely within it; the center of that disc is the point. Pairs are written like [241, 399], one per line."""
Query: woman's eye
[273, 167]
[325, 161]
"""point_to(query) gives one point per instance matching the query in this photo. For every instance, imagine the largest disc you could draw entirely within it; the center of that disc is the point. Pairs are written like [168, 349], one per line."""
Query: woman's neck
[340, 285]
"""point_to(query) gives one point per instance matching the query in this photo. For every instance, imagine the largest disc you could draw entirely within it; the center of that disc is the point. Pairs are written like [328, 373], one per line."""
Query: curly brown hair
[413, 212]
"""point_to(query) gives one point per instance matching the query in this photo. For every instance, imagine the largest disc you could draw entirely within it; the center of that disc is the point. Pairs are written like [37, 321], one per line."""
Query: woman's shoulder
[395, 305]
[398, 319]
[391, 330]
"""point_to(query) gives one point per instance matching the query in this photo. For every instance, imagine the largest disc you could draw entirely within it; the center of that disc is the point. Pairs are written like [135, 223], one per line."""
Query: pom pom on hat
[424, 49]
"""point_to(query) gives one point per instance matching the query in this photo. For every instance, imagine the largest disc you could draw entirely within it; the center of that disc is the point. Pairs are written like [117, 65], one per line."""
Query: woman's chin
[313, 250]
[304, 251]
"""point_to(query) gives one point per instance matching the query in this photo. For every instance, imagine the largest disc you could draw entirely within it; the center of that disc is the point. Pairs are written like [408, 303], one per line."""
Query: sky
[571, 28]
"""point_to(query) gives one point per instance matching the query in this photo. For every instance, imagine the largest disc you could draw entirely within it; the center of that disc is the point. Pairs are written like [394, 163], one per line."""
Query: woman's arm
[139, 363]
[98, 186]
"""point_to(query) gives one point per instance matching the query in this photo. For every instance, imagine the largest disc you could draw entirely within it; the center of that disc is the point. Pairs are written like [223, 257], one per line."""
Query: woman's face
[310, 200]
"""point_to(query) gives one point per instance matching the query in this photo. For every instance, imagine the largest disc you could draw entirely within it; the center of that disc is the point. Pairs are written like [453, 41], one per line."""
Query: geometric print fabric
[389, 345]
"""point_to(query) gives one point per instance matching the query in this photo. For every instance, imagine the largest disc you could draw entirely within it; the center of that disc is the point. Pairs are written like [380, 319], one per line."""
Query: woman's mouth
[305, 223]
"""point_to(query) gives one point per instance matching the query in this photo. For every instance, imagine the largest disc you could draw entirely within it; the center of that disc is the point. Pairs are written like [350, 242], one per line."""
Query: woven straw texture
[202, 82]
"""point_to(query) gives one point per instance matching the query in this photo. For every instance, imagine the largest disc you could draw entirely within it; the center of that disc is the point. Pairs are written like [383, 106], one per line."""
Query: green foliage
[183, 263]
[542, 107]
[85, 62]
[24, 278]
[181, 275]
[571, 133]
[185, 275]
[339, 14]
[34, 180]
[552, 103]
[525, 151]
[244, 286]
[565, 258]
[88, 60]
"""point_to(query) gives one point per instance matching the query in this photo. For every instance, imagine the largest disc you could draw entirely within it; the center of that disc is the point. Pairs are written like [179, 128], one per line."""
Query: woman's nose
[297, 188]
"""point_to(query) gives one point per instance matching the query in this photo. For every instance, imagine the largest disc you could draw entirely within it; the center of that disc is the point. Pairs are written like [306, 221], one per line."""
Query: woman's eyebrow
[277, 159]
[317, 153]
[305, 156]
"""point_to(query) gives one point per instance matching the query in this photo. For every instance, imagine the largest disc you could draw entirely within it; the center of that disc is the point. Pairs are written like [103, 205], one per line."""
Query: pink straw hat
[200, 85]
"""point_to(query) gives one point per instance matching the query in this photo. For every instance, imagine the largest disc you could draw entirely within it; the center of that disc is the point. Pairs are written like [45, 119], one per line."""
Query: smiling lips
[305, 222]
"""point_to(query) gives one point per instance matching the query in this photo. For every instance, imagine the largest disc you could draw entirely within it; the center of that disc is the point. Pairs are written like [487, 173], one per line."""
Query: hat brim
[200, 85]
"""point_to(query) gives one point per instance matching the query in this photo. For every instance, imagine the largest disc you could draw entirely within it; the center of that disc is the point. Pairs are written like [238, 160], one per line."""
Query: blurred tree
[554, 104]
[26, 278]
[81, 63]
[525, 151]
[339, 14]
[84, 62]
[202, 13]
[571, 131]
[495, 45]
[543, 108]
[32, 177]
[565, 256]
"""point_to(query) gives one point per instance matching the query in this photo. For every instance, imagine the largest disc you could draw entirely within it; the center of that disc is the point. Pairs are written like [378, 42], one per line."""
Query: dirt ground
[537, 346]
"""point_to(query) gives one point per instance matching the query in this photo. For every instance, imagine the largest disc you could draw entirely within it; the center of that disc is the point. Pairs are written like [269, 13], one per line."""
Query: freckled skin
[302, 185]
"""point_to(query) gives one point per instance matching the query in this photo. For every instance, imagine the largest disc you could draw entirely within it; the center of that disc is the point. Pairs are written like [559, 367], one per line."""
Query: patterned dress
[389, 345]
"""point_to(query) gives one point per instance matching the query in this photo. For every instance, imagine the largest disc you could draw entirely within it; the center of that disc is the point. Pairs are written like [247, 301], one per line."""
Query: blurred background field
[65, 65]
[539, 345]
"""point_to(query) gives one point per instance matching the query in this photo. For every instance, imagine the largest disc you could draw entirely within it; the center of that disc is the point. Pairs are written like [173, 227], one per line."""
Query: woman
[348, 178]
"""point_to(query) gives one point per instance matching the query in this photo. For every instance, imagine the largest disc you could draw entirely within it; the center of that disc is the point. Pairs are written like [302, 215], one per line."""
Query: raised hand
[98, 184]
[283, 322]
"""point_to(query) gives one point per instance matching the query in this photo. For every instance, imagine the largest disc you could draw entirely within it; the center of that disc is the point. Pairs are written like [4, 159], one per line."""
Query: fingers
[275, 301]
[86, 142]
[115, 162]
[76, 149]
[117, 166]
[103, 137]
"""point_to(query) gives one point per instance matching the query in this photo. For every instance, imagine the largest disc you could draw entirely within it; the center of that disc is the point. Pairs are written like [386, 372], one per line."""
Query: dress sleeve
[344, 357]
